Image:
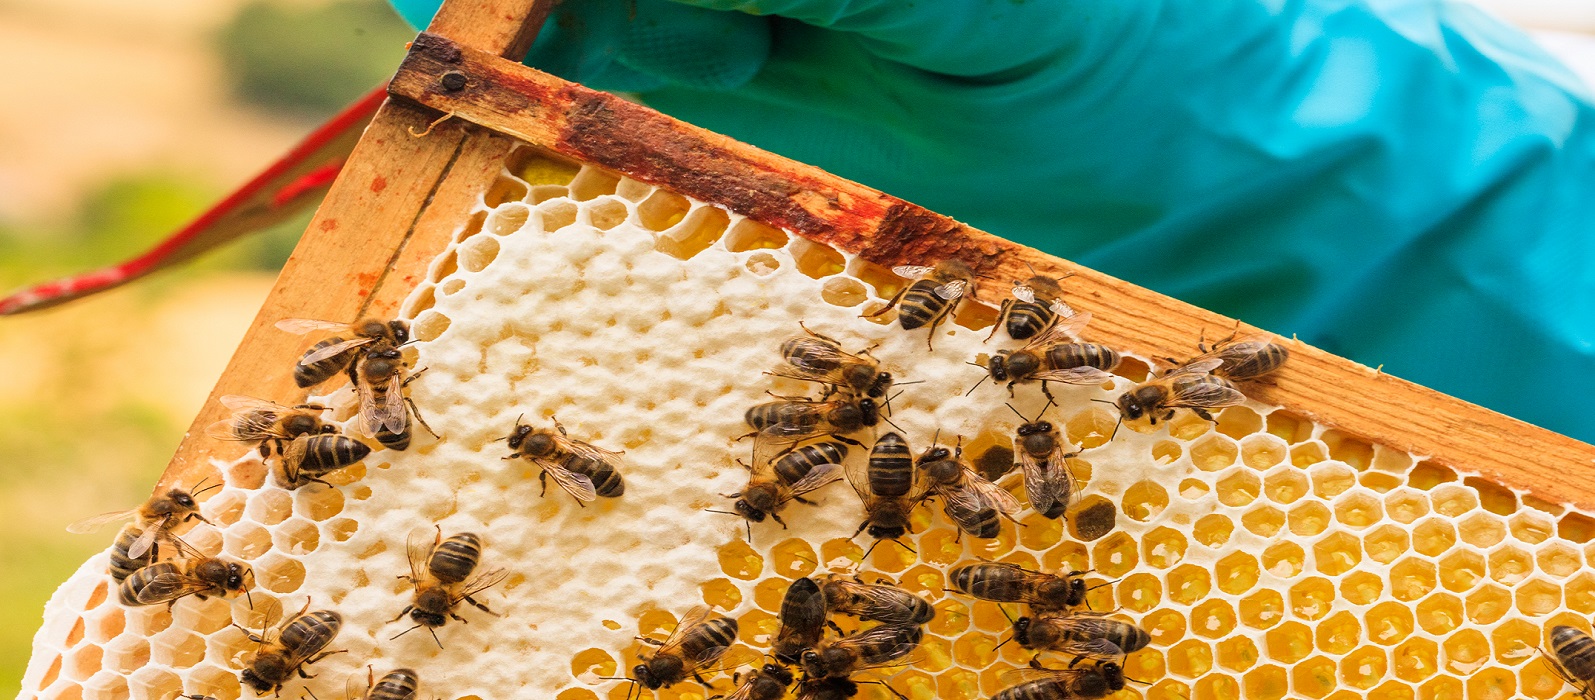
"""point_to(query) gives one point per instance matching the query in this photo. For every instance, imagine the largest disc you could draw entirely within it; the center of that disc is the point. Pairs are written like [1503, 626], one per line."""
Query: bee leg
[462, 620]
[888, 307]
[650, 641]
[823, 337]
[848, 440]
[542, 480]
[417, 413]
[803, 500]
[701, 681]
[404, 612]
[1010, 389]
[480, 606]
[778, 519]
[1035, 661]
[413, 376]
[1002, 316]
[1203, 413]
[744, 437]
[1047, 391]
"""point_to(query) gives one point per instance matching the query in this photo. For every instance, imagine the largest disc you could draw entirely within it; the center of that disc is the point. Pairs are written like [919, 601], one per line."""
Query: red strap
[279, 191]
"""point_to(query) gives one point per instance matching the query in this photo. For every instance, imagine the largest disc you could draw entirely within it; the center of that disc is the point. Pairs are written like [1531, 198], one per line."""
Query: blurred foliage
[310, 59]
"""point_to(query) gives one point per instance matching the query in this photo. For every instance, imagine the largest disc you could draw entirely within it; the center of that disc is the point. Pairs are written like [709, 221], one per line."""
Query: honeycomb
[1267, 556]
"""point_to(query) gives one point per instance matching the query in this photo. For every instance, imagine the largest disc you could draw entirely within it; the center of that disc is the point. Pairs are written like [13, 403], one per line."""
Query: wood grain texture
[604, 130]
[386, 216]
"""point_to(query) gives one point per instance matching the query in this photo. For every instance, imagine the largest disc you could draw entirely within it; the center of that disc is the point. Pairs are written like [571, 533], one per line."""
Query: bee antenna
[977, 384]
[1136, 680]
[889, 422]
[249, 598]
[1004, 641]
[899, 542]
[872, 547]
[916, 381]
[401, 634]
[434, 632]
[1017, 413]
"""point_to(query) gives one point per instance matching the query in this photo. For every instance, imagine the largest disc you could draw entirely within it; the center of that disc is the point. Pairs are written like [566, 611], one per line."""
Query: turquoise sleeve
[1407, 183]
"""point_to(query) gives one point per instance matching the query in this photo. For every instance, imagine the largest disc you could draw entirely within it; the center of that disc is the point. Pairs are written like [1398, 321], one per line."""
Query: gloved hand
[1403, 182]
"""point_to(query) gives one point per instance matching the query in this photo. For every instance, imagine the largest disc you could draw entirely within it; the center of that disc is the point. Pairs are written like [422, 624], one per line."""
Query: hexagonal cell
[1239, 422]
[1217, 687]
[1510, 565]
[1285, 485]
[1091, 518]
[318, 504]
[1331, 479]
[1514, 642]
[1427, 475]
[1339, 633]
[1193, 489]
[1114, 555]
[952, 617]
[1311, 598]
[1576, 527]
[204, 616]
[1284, 559]
[1214, 453]
[1532, 527]
[1393, 690]
[1411, 579]
[1442, 688]
[1389, 623]
[1461, 570]
[1308, 453]
[341, 529]
[1380, 482]
[1091, 427]
[1538, 596]
[1493, 497]
[1185, 425]
[1406, 505]
[1163, 547]
[1385, 543]
[1352, 450]
[1482, 530]
[269, 506]
[1364, 668]
[1492, 683]
[1464, 651]
[298, 536]
[106, 625]
[106, 686]
[1289, 643]
[82, 662]
[126, 654]
[1314, 677]
[1166, 626]
[1358, 509]
[1212, 618]
[1288, 426]
[1440, 613]
[1433, 536]
[1453, 500]
[1580, 593]
[247, 540]
[1336, 553]
[1191, 658]
[1263, 609]
[1238, 488]
[1140, 592]
[1266, 682]
[279, 574]
[1263, 451]
[1487, 604]
[1236, 573]
[1361, 587]
[1416, 659]
[1558, 560]
[1237, 653]
[177, 648]
[1263, 521]
[1213, 530]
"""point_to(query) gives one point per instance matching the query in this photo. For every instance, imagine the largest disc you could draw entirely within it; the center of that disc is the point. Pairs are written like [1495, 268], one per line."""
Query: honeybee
[793, 419]
[123, 565]
[379, 383]
[968, 499]
[775, 481]
[1572, 658]
[1038, 683]
[307, 458]
[1011, 583]
[298, 643]
[1053, 356]
[874, 601]
[263, 422]
[327, 357]
[837, 689]
[438, 572]
[398, 684]
[583, 471]
[768, 683]
[1037, 303]
[872, 648]
[190, 574]
[818, 358]
[1039, 449]
[1242, 360]
[932, 297]
[802, 621]
[697, 641]
[889, 487]
[1187, 386]
[1081, 634]
[157, 518]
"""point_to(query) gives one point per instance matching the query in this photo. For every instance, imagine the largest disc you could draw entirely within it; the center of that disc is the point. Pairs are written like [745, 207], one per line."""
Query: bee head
[427, 618]
[1021, 631]
[814, 664]
[750, 511]
[235, 576]
[1077, 589]
[519, 436]
[998, 366]
[302, 424]
[936, 454]
[1113, 673]
[659, 669]
[400, 331]
[1039, 427]
[883, 381]
[887, 532]
[1134, 403]
[869, 412]
[254, 681]
[779, 673]
[182, 499]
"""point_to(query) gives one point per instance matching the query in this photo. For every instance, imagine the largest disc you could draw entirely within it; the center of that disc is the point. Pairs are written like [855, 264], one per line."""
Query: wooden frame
[404, 196]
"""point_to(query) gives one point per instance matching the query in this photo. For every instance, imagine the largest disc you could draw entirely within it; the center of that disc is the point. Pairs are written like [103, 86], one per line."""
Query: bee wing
[1023, 292]
[251, 424]
[582, 449]
[146, 539]
[1206, 396]
[858, 475]
[951, 290]
[170, 586]
[1075, 375]
[417, 549]
[1040, 483]
[744, 691]
[235, 402]
[1064, 311]
[302, 326]
[578, 485]
[913, 272]
[886, 644]
[1064, 329]
[334, 350]
[377, 412]
[1201, 365]
[821, 475]
[481, 582]
[1026, 674]
[397, 415]
[184, 549]
[879, 600]
[95, 522]
[1096, 648]
[693, 618]
[998, 496]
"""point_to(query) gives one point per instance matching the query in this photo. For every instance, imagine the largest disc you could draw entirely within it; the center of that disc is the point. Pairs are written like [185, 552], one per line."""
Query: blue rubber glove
[1403, 182]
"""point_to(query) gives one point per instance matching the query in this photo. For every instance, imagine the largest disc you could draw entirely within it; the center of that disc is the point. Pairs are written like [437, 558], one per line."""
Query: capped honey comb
[1267, 556]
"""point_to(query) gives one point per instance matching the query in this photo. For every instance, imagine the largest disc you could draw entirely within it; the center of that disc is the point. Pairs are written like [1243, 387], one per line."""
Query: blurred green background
[148, 115]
